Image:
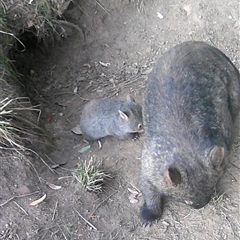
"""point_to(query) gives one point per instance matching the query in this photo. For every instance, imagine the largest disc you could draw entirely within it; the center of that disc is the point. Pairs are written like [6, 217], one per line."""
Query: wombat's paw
[148, 216]
[135, 136]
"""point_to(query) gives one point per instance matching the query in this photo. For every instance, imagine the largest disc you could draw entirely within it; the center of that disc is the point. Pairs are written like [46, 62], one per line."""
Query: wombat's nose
[201, 203]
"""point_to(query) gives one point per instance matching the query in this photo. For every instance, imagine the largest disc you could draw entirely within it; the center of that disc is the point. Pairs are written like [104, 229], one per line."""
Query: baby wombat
[191, 100]
[104, 117]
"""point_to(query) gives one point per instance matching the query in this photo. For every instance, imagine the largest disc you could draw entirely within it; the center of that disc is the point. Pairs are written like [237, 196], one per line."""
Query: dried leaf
[99, 145]
[139, 194]
[132, 199]
[84, 149]
[77, 130]
[188, 9]
[165, 223]
[104, 64]
[87, 65]
[133, 191]
[34, 203]
[57, 165]
[75, 90]
[53, 186]
[159, 15]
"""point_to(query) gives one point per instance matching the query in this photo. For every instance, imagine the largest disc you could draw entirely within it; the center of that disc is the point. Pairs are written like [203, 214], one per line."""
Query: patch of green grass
[44, 9]
[7, 69]
[218, 198]
[2, 20]
[91, 175]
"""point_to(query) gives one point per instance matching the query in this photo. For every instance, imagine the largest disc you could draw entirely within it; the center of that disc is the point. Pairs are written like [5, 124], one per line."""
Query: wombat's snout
[201, 203]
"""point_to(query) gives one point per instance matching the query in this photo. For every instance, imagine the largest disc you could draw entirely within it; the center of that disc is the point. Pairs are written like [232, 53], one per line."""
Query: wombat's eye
[139, 126]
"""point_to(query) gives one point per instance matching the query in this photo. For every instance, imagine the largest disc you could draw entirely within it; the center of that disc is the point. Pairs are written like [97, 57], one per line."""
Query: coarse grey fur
[190, 103]
[107, 117]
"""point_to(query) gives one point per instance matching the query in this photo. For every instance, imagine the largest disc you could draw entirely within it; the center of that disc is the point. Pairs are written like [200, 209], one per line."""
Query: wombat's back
[104, 117]
[195, 86]
[98, 116]
[191, 100]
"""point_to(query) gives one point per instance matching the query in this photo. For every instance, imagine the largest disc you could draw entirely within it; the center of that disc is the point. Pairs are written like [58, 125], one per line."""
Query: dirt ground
[127, 37]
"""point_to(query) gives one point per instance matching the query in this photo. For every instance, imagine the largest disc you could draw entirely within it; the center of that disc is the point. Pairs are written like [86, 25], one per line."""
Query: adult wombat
[191, 100]
[104, 117]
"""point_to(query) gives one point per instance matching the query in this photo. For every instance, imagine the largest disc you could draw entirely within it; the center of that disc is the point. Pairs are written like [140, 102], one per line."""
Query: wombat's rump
[108, 117]
[191, 100]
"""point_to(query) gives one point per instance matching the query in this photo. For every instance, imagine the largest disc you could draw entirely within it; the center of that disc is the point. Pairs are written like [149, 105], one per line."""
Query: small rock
[159, 15]
[133, 200]
[118, 51]
[75, 90]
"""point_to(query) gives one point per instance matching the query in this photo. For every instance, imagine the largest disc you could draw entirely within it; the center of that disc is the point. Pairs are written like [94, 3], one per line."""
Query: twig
[140, 6]
[234, 165]
[135, 187]
[10, 199]
[30, 163]
[86, 220]
[52, 170]
[12, 35]
[62, 231]
[60, 178]
[30, 150]
[21, 208]
[59, 165]
[70, 25]
[101, 203]
[226, 218]
[125, 83]
[81, 9]
[54, 212]
[7, 103]
[113, 94]
[99, 145]
[20, 196]
[4, 7]
[103, 7]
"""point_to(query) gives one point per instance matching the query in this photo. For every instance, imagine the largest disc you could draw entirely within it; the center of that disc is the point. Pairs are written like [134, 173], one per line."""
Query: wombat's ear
[130, 98]
[123, 115]
[173, 176]
[216, 156]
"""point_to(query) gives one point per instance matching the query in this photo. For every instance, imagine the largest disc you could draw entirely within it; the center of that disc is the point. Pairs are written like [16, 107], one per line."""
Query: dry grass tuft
[34, 16]
[19, 120]
[15, 126]
[91, 175]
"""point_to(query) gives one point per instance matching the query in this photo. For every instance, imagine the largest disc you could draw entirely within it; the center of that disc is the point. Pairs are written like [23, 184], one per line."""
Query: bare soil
[127, 37]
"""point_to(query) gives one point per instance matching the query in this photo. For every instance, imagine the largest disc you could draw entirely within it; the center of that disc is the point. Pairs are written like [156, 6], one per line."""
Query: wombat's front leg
[151, 210]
